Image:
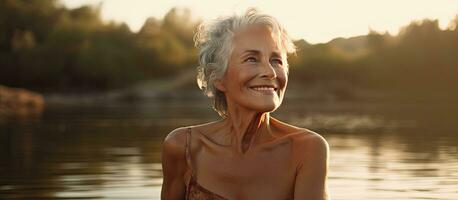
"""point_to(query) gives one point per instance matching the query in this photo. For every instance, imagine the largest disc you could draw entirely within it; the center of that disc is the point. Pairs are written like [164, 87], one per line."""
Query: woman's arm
[312, 154]
[174, 165]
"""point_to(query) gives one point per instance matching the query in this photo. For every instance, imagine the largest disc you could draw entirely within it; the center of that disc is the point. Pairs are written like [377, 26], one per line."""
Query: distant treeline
[48, 47]
[420, 62]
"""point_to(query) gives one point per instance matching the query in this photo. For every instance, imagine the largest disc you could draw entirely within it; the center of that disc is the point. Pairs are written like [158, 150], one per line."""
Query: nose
[268, 71]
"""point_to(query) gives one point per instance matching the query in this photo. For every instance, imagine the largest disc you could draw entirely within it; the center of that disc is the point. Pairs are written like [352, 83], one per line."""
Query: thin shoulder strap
[188, 161]
[188, 151]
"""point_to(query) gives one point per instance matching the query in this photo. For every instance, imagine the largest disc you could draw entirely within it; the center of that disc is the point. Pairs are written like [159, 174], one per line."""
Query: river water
[112, 151]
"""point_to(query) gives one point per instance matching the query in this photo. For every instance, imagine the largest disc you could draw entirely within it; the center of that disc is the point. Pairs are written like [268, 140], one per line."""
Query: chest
[270, 170]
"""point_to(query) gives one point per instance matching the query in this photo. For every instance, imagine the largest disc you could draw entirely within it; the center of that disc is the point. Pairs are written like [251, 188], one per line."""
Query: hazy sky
[315, 21]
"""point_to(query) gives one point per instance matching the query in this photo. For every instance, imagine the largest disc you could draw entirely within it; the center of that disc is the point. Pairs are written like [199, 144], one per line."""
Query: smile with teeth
[264, 89]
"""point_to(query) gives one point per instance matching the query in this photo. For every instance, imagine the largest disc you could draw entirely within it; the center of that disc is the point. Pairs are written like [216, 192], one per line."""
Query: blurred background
[89, 90]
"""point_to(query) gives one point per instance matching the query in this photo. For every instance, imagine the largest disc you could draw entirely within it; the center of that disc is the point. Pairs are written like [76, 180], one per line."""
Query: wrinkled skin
[249, 155]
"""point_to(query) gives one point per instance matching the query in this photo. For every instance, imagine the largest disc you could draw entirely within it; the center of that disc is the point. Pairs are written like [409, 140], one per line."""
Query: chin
[266, 107]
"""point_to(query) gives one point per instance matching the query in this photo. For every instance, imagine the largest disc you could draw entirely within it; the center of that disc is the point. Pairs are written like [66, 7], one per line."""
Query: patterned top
[194, 191]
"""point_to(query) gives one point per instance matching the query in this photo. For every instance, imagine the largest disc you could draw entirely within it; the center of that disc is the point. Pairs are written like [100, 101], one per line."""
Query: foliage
[419, 62]
[45, 46]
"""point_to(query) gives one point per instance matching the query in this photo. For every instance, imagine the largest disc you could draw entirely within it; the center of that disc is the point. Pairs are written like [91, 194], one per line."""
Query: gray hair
[214, 41]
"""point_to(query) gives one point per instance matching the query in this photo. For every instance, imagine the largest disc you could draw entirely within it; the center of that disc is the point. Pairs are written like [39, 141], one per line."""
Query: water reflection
[365, 167]
[113, 151]
[126, 178]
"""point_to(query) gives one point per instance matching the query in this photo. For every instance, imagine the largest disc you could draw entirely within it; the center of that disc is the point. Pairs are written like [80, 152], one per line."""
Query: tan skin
[249, 154]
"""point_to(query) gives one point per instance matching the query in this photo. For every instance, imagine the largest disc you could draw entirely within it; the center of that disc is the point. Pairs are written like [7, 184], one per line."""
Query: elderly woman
[247, 154]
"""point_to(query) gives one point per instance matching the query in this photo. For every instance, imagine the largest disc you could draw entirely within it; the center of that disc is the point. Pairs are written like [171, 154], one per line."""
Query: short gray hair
[214, 41]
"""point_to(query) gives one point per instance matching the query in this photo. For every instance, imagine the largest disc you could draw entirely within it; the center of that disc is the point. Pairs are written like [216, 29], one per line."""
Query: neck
[246, 127]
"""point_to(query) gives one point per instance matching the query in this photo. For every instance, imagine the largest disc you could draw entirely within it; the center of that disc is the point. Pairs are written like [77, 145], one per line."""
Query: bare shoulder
[310, 140]
[174, 165]
[311, 149]
[175, 142]
[311, 157]
[303, 140]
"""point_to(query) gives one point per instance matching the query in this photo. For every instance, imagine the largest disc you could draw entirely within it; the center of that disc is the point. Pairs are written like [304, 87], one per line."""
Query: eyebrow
[250, 51]
[257, 52]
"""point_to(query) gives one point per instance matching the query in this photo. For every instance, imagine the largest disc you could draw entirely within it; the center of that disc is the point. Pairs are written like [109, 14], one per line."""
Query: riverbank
[20, 103]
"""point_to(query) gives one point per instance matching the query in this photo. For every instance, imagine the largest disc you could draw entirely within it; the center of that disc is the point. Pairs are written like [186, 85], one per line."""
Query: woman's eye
[277, 61]
[251, 59]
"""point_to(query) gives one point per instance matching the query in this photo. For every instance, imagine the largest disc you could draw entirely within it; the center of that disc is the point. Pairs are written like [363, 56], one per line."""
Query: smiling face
[257, 72]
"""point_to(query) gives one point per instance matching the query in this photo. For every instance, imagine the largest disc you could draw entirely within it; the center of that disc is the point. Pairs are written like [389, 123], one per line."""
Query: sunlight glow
[314, 21]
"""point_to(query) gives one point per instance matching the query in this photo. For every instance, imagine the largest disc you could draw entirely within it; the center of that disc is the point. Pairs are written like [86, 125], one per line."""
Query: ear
[219, 84]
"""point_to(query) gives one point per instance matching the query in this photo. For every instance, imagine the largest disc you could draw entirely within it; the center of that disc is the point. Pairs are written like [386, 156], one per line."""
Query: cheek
[245, 75]
[239, 78]
[282, 75]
